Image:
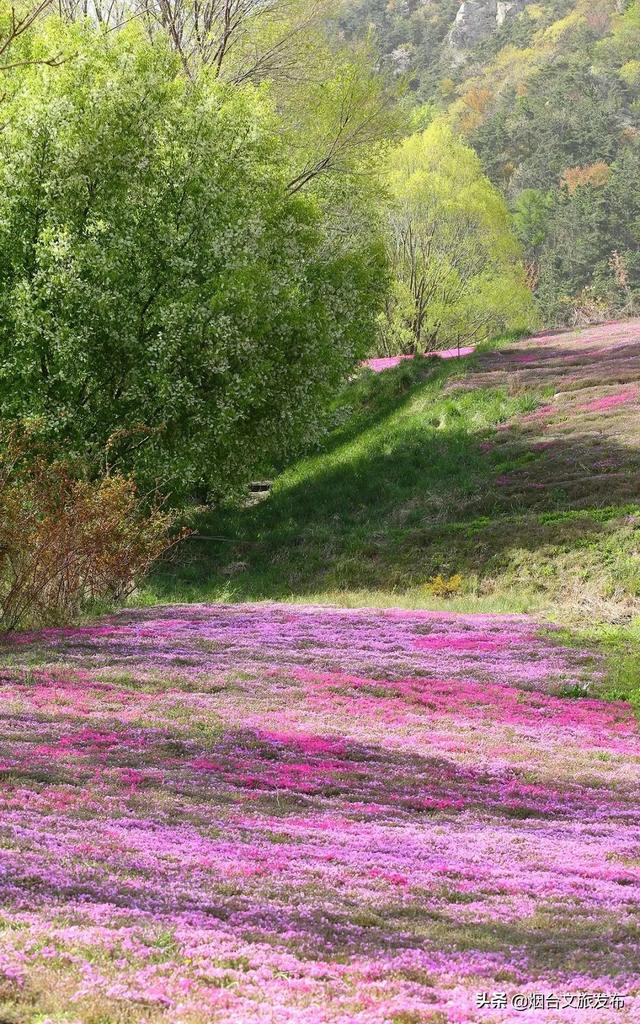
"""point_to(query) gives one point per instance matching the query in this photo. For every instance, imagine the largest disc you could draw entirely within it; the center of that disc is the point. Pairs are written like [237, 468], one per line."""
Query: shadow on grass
[420, 502]
[373, 397]
[445, 469]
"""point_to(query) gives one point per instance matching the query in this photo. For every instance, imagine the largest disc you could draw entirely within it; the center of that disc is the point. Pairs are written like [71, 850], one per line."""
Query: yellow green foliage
[455, 259]
[622, 46]
[630, 72]
[445, 586]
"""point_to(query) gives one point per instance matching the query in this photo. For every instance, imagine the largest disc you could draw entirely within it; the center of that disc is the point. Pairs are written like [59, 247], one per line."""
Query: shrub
[445, 586]
[67, 542]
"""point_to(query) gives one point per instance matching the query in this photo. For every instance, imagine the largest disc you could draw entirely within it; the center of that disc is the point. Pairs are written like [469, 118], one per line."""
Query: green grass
[619, 645]
[402, 493]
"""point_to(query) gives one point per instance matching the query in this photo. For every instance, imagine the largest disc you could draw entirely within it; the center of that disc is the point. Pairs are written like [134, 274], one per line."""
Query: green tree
[339, 119]
[621, 49]
[531, 218]
[457, 266]
[589, 258]
[162, 292]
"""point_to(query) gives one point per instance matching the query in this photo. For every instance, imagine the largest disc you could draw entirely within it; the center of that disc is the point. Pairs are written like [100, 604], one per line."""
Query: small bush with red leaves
[68, 542]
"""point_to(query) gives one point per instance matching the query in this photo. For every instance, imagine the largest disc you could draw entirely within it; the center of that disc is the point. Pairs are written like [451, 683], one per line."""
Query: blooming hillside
[513, 471]
[582, 445]
[279, 814]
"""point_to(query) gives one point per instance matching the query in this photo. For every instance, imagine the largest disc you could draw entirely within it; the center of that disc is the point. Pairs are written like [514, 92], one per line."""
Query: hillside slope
[506, 480]
[548, 94]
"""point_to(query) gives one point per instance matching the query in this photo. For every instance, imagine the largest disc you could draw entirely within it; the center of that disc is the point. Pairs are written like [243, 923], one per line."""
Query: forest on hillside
[548, 95]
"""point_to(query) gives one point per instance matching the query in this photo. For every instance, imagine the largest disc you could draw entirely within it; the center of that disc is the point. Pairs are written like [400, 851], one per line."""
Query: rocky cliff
[476, 20]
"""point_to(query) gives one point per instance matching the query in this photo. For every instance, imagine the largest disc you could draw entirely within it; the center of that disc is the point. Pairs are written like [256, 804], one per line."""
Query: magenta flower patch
[608, 402]
[308, 815]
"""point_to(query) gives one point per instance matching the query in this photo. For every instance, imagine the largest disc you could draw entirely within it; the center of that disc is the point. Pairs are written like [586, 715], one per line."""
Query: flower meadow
[305, 815]
[581, 446]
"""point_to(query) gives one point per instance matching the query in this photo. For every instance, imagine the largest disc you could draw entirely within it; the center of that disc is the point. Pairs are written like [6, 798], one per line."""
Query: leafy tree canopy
[549, 97]
[457, 263]
[164, 294]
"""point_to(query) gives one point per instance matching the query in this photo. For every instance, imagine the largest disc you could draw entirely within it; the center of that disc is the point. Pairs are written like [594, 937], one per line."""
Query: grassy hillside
[507, 480]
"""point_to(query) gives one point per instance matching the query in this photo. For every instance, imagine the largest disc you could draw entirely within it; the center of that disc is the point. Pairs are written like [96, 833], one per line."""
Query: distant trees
[409, 34]
[589, 258]
[550, 101]
[561, 143]
[457, 267]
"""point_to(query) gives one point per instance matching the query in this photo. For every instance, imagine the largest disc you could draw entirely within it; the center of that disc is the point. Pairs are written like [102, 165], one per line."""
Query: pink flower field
[301, 815]
[586, 436]
[381, 363]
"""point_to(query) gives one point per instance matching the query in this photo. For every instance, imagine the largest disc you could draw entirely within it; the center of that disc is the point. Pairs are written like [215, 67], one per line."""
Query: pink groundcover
[270, 814]
[387, 362]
